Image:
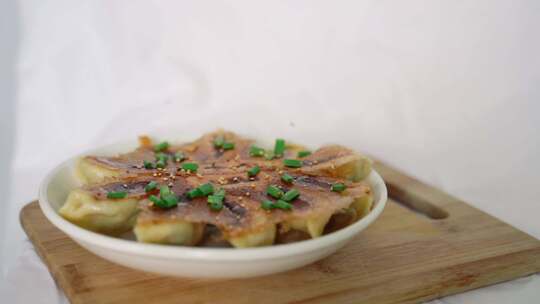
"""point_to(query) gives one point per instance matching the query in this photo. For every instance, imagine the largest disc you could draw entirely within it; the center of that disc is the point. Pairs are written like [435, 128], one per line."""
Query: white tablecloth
[445, 90]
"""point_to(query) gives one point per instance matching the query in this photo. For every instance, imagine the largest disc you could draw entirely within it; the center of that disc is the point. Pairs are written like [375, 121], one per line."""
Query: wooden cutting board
[425, 245]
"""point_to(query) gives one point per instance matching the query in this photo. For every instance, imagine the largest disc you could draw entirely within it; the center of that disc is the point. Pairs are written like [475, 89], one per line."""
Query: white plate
[193, 261]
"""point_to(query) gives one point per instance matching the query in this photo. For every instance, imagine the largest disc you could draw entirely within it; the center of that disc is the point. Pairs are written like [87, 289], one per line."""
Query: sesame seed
[315, 161]
[165, 178]
[247, 193]
[199, 175]
[253, 186]
[170, 184]
[235, 179]
[160, 169]
[252, 178]
[154, 174]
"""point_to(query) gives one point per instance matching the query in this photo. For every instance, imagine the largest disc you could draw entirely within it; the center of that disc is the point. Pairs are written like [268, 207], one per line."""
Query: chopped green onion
[168, 201]
[303, 153]
[154, 199]
[267, 204]
[213, 199]
[256, 151]
[161, 160]
[282, 205]
[274, 191]
[206, 189]
[228, 146]
[193, 193]
[290, 195]
[150, 186]
[161, 164]
[279, 147]
[164, 190]
[292, 163]
[148, 165]
[215, 202]
[254, 171]
[162, 156]
[190, 167]
[219, 141]
[179, 156]
[338, 187]
[287, 178]
[116, 194]
[161, 146]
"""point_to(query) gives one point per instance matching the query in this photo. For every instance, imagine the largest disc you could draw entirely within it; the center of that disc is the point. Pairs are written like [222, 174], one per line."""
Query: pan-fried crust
[241, 221]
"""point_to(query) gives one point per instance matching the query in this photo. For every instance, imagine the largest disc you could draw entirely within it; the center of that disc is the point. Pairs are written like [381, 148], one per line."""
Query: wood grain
[426, 244]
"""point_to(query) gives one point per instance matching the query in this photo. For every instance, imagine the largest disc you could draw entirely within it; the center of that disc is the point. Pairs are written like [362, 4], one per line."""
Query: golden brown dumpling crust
[242, 221]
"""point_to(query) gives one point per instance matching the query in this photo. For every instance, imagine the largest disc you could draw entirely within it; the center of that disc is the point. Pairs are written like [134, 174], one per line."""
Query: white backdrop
[445, 90]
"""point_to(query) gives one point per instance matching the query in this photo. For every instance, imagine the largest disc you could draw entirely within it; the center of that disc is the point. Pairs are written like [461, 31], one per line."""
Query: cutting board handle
[414, 194]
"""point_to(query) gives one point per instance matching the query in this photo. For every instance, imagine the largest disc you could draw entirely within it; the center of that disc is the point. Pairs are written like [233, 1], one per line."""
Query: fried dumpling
[241, 220]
